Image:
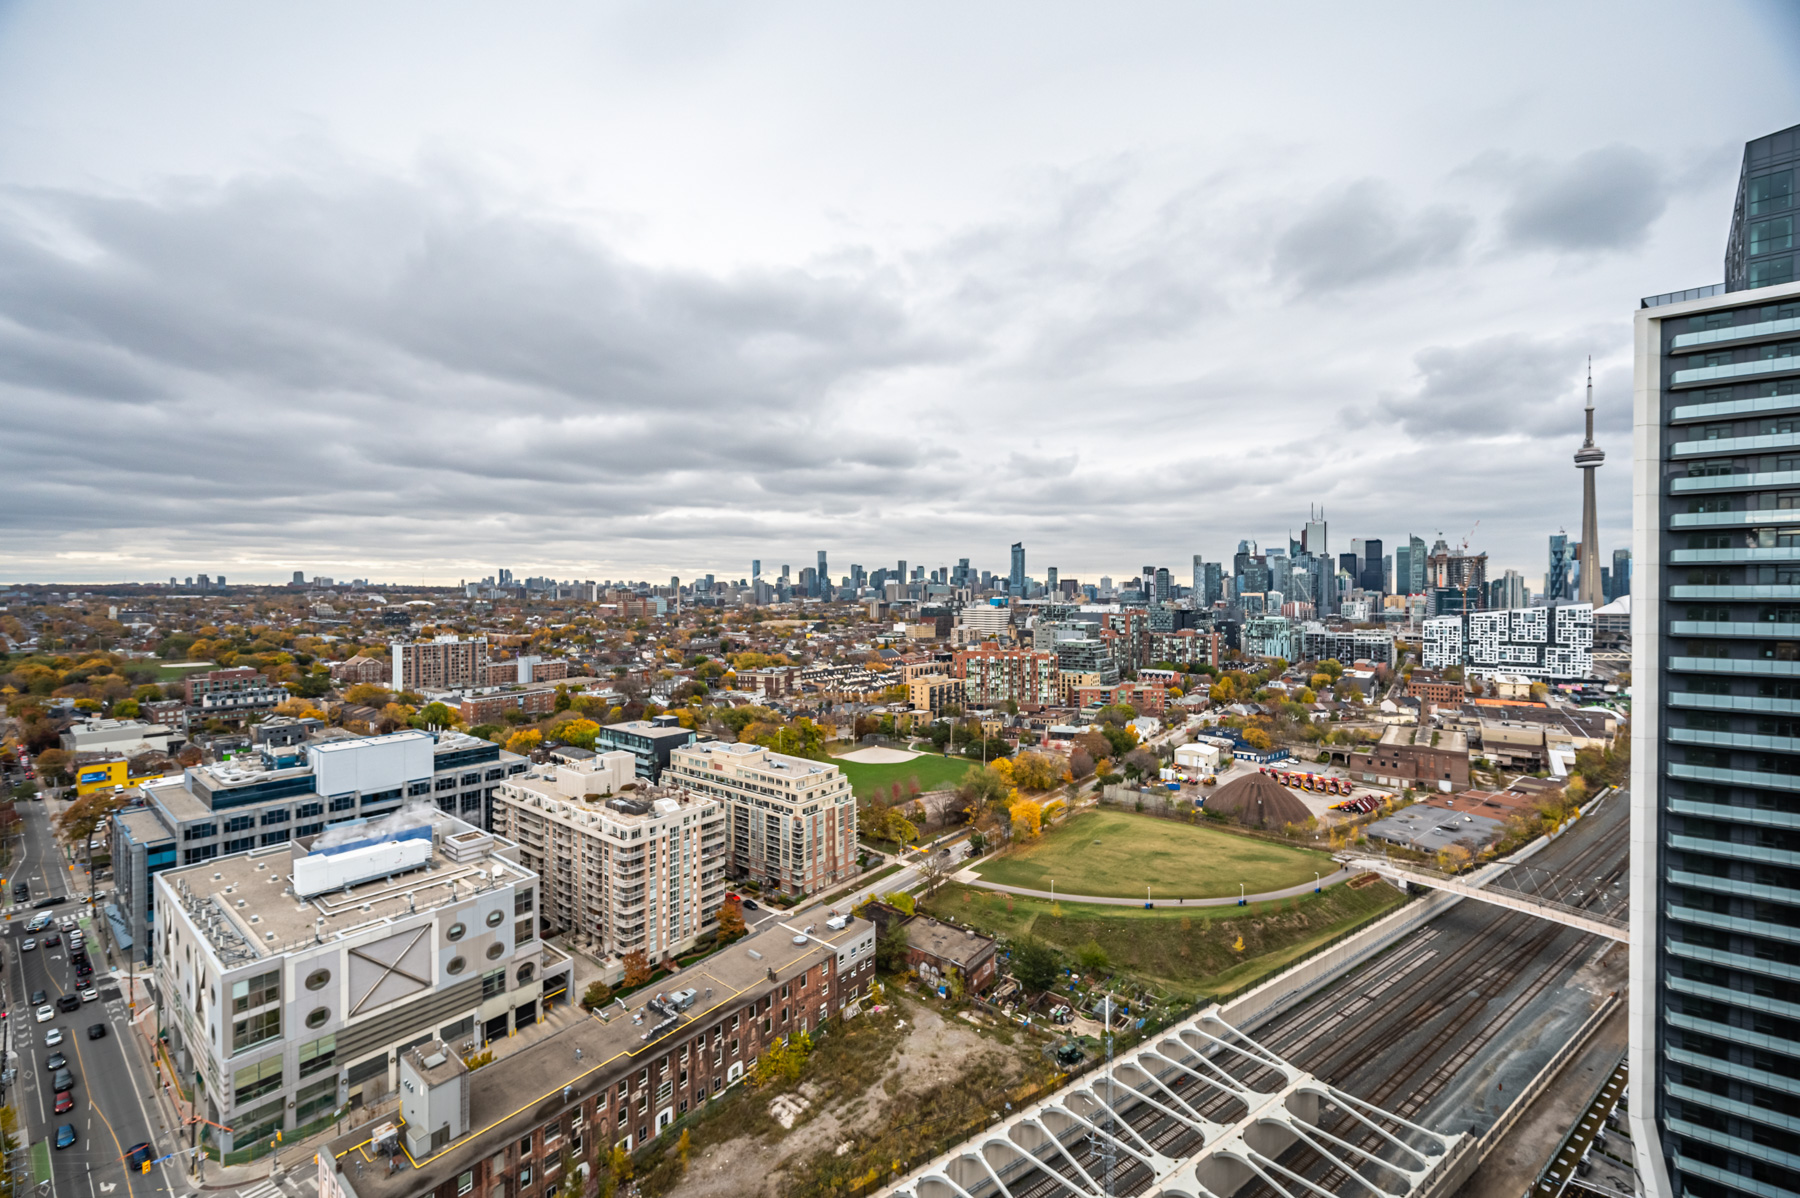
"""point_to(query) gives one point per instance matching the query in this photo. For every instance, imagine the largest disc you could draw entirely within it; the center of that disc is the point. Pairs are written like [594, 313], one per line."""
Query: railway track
[1427, 986]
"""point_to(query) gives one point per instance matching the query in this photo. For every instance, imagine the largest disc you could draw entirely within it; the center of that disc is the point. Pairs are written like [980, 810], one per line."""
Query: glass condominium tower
[1715, 730]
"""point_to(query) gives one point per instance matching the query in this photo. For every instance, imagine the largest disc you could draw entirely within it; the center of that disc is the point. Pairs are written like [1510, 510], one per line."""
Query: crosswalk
[290, 1185]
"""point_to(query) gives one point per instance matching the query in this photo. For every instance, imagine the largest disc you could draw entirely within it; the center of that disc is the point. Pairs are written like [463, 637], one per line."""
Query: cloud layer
[695, 323]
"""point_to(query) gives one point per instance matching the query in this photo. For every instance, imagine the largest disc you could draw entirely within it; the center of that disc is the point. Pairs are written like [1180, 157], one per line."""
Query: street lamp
[1315, 881]
[1242, 901]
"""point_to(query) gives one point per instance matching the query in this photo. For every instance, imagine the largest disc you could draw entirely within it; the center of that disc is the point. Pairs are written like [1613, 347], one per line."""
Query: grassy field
[1115, 854]
[932, 771]
[1192, 950]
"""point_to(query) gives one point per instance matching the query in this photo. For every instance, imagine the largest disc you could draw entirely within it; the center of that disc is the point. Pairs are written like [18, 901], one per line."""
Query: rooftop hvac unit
[316, 873]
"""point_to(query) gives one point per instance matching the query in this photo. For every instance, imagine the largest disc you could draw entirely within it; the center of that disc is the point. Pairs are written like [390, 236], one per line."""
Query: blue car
[65, 1135]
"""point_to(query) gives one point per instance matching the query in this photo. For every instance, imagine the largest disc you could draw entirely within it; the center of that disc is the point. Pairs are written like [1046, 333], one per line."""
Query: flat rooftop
[263, 917]
[1429, 829]
[519, 1092]
[1444, 740]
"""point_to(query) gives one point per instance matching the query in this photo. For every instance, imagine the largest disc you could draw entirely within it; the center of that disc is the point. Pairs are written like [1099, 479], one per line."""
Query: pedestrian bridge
[1512, 900]
[1197, 1111]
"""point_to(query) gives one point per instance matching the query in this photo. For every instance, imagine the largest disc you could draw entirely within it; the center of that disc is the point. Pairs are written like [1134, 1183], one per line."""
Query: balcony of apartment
[1754, 853]
[1719, 446]
[1746, 593]
[1733, 777]
[1733, 740]
[1734, 628]
[1747, 667]
[1756, 817]
[1735, 887]
[1695, 376]
[1729, 482]
[1726, 409]
[1733, 923]
[1768, 966]
[1717, 557]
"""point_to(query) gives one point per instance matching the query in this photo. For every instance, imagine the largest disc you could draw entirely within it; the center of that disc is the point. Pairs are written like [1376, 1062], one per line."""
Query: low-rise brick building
[933, 949]
[504, 1131]
[491, 708]
[1418, 757]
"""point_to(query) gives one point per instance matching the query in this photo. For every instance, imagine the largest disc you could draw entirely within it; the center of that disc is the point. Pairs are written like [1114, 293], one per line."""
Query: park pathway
[970, 878]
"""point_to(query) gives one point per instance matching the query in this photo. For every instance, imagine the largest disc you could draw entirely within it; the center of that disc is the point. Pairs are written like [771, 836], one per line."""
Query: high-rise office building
[1215, 581]
[1621, 574]
[1557, 587]
[1198, 587]
[822, 578]
[755, 569]
[1313, 536]
[1374, 573]
[1161, 578]
[1050, 580]
[1403, 569]
[1715, 773]
[1016, 580]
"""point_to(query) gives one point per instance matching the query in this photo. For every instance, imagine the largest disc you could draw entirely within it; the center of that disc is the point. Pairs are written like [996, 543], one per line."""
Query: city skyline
[366, 320]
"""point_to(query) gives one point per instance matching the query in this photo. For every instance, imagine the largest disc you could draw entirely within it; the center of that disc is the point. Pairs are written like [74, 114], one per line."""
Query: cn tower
[1587, 460]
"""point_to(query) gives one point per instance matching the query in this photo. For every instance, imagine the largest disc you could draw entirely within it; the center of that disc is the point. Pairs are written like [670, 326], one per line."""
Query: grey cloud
[1516, 386]
[359, 352]
[1605, 199]
[1365, 235]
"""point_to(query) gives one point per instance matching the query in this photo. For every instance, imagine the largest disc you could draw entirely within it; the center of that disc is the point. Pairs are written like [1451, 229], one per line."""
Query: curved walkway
[971, 878]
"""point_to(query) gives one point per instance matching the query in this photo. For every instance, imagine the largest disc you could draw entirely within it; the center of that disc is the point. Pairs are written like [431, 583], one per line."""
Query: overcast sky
[601, 291]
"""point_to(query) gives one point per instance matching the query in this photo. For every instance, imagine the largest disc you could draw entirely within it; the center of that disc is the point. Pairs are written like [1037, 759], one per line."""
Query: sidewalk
[970, 878]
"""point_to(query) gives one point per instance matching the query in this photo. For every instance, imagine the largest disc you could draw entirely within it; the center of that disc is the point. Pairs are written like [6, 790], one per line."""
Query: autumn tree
[597, 995]
[1037, 771]
[83, 817]
[637, 969]
[731, 920]
[524, 742]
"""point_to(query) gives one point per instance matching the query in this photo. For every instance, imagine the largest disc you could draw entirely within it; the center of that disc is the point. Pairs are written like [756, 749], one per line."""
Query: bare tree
[934, 869]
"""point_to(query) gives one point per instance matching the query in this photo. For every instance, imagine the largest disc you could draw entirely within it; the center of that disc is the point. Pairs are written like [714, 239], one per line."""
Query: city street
[113, 1095]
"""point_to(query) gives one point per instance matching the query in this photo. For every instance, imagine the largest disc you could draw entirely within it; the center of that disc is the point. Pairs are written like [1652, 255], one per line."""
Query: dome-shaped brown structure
[1259, 801]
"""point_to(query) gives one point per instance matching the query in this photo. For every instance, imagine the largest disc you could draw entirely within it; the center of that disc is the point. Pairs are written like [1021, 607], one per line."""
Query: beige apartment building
[624, 865]
[442, 663]
[792, 820]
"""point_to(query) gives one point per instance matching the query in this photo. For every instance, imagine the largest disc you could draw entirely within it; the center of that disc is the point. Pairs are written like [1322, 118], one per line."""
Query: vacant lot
[931, 771]
[1116, 854]
[1193, 951]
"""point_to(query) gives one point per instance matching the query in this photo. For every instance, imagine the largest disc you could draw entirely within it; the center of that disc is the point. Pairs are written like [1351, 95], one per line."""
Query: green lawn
[931, 771]
[1115, 854]
[1192, 950]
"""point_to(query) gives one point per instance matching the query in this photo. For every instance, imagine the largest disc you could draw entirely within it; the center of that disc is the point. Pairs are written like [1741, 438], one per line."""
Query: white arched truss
[1196, 1111]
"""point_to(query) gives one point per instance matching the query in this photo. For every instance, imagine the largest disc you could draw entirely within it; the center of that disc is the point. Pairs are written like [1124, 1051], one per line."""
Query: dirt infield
[877, 756]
